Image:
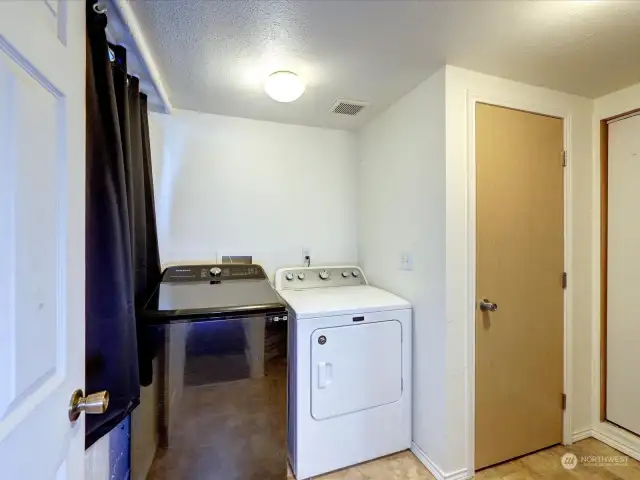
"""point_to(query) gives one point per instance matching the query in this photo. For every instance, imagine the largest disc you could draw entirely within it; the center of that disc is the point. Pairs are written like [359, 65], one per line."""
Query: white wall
[233, 186]
[605, 107]
[461, 86]
[402, 210]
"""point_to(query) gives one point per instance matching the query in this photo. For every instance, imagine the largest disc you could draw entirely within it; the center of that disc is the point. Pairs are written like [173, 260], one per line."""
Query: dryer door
[355, 367]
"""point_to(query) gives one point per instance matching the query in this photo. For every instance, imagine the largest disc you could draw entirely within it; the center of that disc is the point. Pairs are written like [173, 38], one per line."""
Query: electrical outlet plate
[406, 261]
[246, 259]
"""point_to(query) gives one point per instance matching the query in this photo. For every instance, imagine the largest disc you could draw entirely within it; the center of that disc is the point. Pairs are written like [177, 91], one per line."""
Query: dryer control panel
[300, 278]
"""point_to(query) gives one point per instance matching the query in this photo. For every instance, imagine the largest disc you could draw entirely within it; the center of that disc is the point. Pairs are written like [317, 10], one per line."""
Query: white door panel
[355, 367]
[42, 160]
[623, 278]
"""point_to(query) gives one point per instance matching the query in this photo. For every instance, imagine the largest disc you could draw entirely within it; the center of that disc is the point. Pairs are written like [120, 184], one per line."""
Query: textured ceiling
[215, 55]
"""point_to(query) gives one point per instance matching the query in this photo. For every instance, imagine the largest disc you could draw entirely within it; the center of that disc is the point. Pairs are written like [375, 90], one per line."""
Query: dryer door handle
[325, 374]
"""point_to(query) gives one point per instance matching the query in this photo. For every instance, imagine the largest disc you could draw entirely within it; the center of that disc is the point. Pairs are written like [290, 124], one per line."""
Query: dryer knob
[324, 275]
[356, 273]
[345, 274]
[301, 276]
[215, 271]
[289, 276]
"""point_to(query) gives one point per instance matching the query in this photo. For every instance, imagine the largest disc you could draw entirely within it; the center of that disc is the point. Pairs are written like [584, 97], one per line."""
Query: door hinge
[564, 401]
[564, 158]
[564, 280]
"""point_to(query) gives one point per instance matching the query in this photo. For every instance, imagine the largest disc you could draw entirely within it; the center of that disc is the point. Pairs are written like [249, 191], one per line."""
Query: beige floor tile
[488, 474]
[520, 476]
[383, 468]
[400, 466]
[543, 465]
[346, 474]
[509, 469]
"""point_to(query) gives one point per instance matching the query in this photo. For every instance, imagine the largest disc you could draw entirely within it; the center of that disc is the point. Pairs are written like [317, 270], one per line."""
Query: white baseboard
[436, 471]
[613, 436]
[617, 438]
[582, 434]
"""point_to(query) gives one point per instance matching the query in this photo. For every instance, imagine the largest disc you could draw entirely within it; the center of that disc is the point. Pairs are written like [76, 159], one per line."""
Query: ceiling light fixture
[284, 86]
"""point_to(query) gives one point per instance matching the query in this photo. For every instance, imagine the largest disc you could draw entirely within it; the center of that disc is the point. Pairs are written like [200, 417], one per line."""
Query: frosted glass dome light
[284, 86]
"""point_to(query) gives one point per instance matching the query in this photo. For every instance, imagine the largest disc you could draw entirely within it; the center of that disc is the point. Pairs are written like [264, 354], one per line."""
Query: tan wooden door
[520, 259]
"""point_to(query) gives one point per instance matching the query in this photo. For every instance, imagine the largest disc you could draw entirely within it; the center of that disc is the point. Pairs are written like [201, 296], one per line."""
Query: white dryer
[349, 379]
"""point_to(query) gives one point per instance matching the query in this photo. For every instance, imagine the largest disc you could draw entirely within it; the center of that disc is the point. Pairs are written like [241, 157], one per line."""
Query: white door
[42, 181]
[355, 367]
[623, 275]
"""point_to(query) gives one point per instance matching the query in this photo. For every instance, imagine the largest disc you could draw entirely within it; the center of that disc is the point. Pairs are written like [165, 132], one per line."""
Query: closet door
[623, 275]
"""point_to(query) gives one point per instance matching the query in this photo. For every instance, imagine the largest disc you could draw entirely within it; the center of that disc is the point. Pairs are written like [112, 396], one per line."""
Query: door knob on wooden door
[96, 403]
[487, 306]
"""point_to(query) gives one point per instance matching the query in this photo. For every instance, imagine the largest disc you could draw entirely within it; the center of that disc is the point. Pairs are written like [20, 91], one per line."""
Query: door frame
[604, 242]
[473, 98]
[605, 108]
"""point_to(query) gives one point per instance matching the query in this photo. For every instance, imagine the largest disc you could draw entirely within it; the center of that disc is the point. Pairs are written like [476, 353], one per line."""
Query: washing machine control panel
[299, 278]
[206, 273]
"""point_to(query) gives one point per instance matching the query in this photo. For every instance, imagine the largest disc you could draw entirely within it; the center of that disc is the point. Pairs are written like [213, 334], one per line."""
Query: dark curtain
[122, 261]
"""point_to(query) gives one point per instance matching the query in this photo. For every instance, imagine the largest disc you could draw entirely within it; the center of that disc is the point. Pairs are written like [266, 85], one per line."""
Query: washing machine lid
[207, 292]
[331, 301]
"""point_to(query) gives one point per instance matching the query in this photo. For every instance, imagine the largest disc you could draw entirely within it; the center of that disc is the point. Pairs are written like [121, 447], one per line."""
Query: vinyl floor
[595, 461]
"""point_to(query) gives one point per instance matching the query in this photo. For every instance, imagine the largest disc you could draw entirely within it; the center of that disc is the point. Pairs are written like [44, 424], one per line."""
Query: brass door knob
[487, 306]
[94, 404]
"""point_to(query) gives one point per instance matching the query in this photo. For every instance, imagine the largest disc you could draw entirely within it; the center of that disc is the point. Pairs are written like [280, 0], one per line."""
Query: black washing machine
[220, 373]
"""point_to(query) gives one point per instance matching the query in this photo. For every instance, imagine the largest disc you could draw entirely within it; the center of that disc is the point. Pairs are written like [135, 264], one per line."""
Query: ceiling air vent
[348, 107]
